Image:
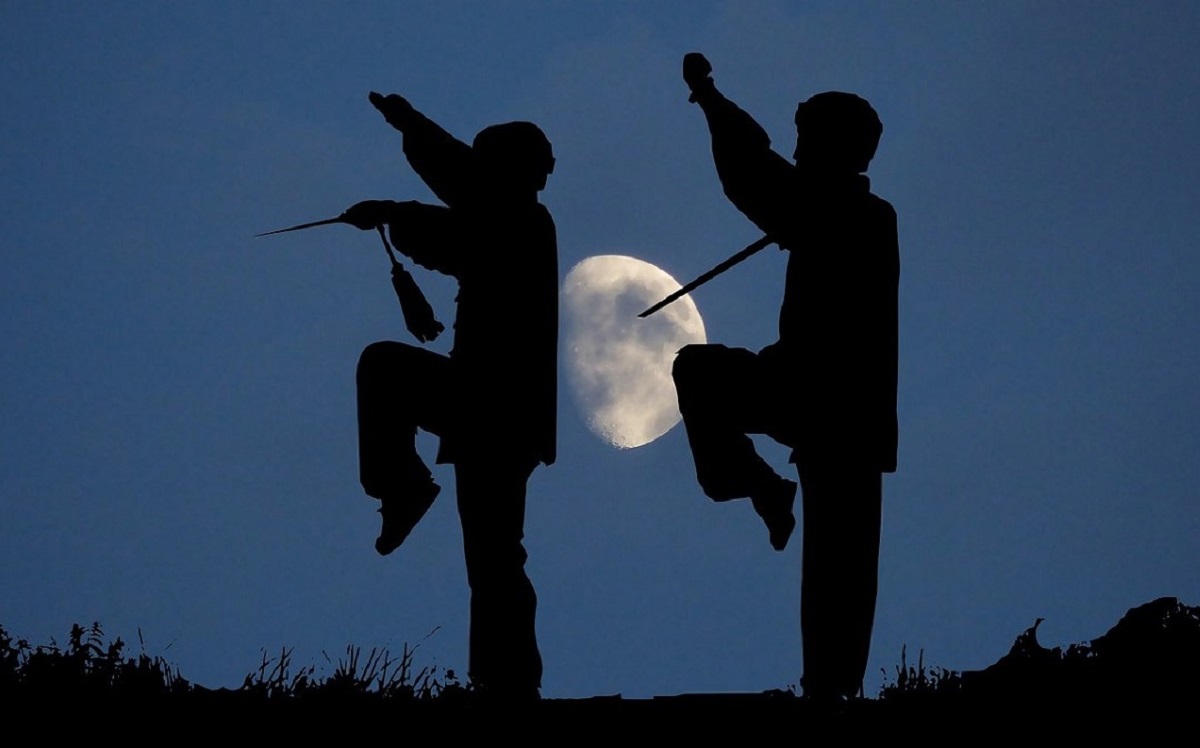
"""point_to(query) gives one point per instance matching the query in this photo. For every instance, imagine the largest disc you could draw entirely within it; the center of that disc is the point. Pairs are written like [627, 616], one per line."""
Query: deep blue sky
[177, 403]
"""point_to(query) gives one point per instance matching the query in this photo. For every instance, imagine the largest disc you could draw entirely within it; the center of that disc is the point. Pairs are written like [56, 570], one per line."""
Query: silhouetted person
[827, 387]
[492, 400]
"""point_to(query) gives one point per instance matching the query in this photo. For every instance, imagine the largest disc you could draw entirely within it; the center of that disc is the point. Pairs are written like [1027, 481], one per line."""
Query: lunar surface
[619, 366]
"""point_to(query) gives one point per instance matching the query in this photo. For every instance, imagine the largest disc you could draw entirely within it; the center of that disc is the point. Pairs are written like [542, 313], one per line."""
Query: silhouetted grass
[377, 677]
[1149, 662]
[87, 669]
[1146, 666]
[919, 681]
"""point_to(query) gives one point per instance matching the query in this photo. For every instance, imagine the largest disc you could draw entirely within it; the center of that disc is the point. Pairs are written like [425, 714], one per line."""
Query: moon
[619, 366]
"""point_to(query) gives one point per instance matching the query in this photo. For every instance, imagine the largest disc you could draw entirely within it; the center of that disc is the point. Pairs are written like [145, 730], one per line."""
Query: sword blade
[713, 273]
[326, 222]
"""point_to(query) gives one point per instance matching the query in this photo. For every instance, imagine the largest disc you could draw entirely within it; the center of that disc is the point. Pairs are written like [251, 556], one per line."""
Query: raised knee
[384, 356]
[699, 365]
[687, 360]
[373, 355]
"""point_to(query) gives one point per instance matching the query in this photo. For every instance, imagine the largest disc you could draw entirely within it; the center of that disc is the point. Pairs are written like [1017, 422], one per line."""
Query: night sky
[177, 405]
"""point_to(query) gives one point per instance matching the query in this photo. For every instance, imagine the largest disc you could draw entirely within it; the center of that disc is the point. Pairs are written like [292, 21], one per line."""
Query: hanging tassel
[418, 314]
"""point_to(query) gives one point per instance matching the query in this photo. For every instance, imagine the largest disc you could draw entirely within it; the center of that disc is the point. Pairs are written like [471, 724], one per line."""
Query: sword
[705, 278]
[418, 314]
[326, 222]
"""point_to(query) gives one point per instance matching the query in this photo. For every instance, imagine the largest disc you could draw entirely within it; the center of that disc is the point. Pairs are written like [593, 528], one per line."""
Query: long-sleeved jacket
[504, 255]
[838, 325]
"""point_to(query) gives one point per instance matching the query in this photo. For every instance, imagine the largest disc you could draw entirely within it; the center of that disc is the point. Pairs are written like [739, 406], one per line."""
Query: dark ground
[1142, 675]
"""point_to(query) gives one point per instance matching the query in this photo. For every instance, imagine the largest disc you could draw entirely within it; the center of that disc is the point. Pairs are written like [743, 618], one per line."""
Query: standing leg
[504, 656]
[842, 511]
[400, 388]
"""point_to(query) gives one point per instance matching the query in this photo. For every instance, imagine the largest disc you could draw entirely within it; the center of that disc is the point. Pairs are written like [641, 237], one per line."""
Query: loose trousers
[724, 395]
[402, 388]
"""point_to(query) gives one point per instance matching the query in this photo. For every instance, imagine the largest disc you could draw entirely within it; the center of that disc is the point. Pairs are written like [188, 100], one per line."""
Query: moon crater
[619, 366]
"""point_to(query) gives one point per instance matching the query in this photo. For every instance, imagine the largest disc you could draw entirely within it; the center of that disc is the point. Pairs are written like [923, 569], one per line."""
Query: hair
[843, 126]
[519, 149]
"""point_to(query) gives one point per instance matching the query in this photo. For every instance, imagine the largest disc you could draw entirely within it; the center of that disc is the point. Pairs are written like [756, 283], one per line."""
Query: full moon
[619, 366]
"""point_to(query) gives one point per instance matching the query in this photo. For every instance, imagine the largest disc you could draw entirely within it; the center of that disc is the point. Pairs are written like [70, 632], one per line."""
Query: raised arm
[757, 180]
[441, 160]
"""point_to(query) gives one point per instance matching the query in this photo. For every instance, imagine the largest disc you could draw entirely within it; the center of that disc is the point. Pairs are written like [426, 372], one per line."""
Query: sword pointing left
[326, 222]
[418, 314]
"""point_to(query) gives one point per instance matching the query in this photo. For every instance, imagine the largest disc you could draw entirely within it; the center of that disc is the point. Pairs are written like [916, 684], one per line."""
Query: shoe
[775, 508]
[401, 515]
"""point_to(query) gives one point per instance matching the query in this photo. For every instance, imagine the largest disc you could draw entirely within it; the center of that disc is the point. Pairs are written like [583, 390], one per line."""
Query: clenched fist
[696, 69]
[368, 214]
[394, 108]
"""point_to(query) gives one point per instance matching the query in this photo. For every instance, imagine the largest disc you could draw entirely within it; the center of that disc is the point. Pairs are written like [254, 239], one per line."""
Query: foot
[775, 508]
[401, 515]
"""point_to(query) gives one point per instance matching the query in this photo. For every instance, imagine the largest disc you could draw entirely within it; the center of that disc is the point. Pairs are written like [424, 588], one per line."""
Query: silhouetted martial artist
[492, 400]
[827, 387]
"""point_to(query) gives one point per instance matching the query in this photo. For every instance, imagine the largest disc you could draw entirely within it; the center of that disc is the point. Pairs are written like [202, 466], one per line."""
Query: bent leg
[400, 388]
[842, 513]
[721, 399]
[504, 656]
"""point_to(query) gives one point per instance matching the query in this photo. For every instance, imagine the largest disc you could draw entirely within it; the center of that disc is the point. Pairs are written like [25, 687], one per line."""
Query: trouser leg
[504, 656]
[400, 388]
[842, 512]
[722, 399]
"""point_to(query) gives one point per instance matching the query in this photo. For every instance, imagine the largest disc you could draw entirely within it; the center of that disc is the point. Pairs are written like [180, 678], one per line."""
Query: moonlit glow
[619, 366]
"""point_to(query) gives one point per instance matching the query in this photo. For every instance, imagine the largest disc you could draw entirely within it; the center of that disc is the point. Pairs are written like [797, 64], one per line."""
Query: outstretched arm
[756, 179]
[429, 235]
[441, 160]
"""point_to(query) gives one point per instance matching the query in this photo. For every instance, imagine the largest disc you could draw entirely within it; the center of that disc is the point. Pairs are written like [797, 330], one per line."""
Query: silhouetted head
[515, 155]
[836, 132]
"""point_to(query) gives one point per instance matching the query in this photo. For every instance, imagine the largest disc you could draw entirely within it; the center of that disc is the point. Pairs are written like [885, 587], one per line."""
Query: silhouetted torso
[838, 327]
[504, 255]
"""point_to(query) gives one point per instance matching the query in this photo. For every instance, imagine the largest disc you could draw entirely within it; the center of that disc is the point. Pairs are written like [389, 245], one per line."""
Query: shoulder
[883, 231]
[879, 206]
[544, 226]
[879, 214]
[542, 214]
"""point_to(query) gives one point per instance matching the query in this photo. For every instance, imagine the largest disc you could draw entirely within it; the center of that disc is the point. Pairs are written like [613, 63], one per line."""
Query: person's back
[506, 329]
[838, 324]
